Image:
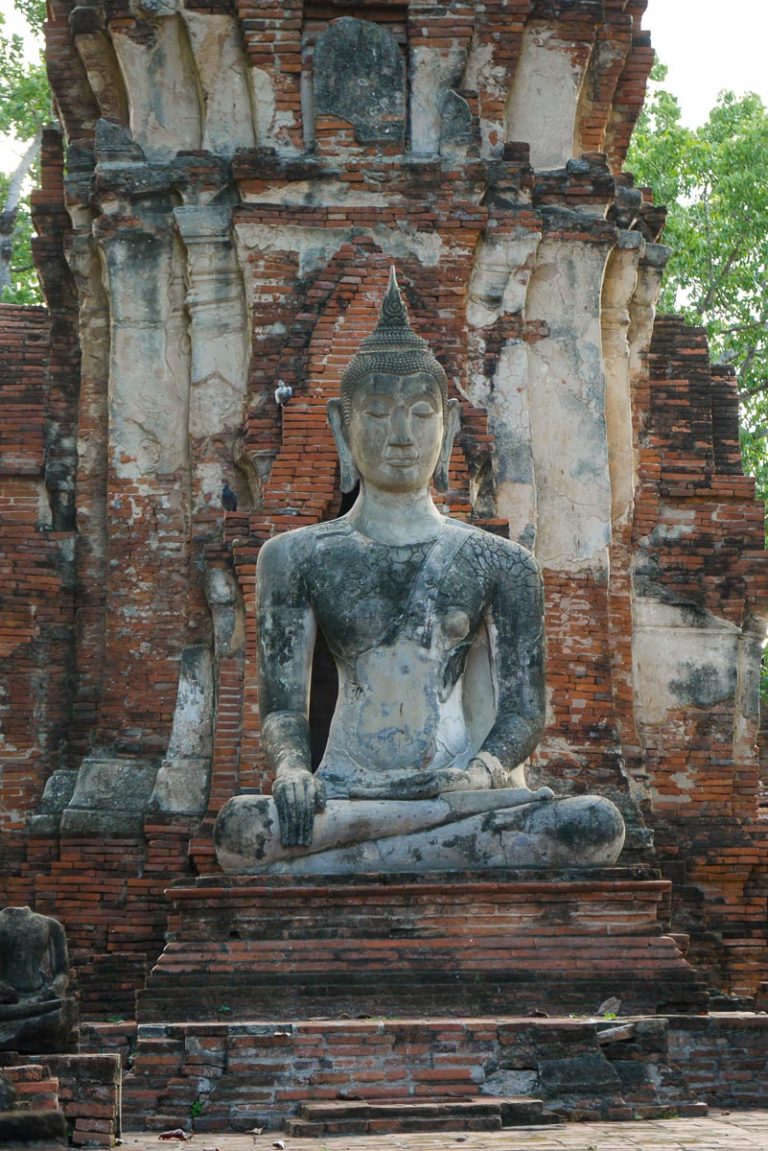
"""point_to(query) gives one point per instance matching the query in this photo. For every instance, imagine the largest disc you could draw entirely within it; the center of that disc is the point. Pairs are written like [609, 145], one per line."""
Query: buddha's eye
[423, 410]
[377, 410]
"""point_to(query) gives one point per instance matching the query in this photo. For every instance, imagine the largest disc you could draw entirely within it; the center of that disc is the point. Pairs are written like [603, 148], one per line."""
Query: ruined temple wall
[227, 221]
[700, 594]
[33, 587]
[39, 382]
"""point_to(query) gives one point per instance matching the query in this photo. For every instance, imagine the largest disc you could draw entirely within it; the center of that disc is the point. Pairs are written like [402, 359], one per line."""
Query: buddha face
[395, 431]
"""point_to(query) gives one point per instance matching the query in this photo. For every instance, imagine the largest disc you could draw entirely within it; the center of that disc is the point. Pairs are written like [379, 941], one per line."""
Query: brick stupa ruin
[218, 215]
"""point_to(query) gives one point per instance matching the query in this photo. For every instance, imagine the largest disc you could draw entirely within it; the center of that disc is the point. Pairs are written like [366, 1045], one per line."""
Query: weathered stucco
[541, 107]
[165, 115]
[223, 78]
[567, 406]
[683, 659]
[618, 290]
[149, 353]
[433, 74]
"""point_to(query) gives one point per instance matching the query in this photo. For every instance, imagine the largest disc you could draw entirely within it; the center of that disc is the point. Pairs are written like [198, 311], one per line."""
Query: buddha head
[393, 423]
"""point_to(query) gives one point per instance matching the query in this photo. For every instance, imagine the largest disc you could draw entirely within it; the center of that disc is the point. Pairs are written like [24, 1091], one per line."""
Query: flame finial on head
[393, 311]
[393, 329]
[393, 348]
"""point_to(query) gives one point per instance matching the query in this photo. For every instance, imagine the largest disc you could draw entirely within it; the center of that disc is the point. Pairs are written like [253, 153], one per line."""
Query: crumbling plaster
[567, 405]
[544, 98]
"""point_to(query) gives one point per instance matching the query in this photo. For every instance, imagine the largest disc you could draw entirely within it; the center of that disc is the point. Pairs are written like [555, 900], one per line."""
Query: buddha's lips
[401, 461]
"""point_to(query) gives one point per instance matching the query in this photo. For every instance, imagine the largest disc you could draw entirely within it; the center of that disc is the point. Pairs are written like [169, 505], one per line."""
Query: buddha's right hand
[298, 795]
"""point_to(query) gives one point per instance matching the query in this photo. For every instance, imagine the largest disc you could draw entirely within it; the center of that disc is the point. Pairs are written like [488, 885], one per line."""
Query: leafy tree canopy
[25, 106]
[713, 181]
[25, 101]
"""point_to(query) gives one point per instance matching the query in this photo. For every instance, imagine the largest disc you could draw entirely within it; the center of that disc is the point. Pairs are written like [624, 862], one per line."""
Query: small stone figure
[228, 498]
[36, 1014]
[436, 628]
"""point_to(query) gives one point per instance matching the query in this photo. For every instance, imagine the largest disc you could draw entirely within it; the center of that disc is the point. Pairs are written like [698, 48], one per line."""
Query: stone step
[384, 1108]
[304, 1128]
[512, 1108]
[382, 1116]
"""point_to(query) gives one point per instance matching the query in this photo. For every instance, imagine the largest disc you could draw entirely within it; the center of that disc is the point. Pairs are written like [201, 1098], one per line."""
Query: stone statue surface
[436, 628]
[37, 1015]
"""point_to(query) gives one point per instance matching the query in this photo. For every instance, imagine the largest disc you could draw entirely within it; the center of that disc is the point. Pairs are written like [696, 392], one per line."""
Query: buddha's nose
[400, 427]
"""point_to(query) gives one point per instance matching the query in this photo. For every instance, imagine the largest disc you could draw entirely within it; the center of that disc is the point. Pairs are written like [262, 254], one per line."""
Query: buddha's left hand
[59, 984]
[476, 776]
[298, 794]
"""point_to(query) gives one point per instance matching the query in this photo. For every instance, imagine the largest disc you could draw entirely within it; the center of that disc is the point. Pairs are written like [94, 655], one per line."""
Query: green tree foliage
[713, 181]
[25, 106]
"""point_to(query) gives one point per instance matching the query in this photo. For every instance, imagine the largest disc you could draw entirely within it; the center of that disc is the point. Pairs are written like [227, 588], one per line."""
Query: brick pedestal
[449, 945]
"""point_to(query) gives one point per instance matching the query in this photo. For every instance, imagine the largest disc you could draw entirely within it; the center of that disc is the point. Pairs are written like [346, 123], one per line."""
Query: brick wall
[35, 585]
[699, 540]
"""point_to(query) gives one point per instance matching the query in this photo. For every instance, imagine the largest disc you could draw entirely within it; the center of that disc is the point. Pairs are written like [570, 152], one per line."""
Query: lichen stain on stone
[360, 77]
[704, 685]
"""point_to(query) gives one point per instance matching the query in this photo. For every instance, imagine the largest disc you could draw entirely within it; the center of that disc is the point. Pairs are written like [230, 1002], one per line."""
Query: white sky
[707, 45]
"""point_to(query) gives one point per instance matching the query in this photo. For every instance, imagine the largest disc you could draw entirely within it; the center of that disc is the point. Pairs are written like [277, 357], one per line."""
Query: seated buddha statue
[37, 1015]
[436, 630]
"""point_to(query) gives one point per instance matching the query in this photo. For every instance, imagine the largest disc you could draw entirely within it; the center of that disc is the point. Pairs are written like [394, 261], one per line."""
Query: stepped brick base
[89, 1095]
[451, 944]
[245, 1020]
[238, 1075]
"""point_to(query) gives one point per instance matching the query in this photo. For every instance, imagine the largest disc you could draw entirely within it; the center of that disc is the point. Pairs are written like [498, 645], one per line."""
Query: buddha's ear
[452, 420]
[349, 476]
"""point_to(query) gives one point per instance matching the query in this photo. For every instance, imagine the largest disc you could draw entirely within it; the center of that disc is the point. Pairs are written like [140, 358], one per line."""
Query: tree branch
[10, 209]
[705, 304]
[19, 175]
[745, 394]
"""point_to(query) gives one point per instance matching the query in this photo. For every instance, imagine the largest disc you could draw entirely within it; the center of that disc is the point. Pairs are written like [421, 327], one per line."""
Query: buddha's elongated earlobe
[349, 476]
[452, 420]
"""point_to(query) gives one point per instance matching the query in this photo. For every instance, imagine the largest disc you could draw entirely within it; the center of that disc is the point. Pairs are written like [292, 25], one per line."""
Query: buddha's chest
[380, 597]
[19, 962]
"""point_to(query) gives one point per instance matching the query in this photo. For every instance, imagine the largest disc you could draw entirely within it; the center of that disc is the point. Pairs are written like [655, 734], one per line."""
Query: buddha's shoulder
[497, 554]
[302, 544]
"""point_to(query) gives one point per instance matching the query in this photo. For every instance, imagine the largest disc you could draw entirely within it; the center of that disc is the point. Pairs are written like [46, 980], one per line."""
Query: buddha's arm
[59, 957]
[516, 611]
[286, 631]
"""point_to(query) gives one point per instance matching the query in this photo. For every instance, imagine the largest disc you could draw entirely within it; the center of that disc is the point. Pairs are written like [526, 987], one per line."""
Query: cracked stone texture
[359, 76]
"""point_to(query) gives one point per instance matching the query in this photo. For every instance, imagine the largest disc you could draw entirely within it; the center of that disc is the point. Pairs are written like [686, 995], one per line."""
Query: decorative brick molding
[405, 945]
